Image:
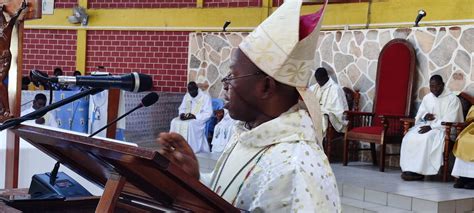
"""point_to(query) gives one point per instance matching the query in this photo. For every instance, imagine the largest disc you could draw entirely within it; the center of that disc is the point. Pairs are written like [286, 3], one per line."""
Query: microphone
[147, 101]
[133, 82]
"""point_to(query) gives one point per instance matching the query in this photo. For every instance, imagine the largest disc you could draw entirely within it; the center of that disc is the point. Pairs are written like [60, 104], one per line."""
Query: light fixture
[227, 23]
[79, 15]
[421, 14]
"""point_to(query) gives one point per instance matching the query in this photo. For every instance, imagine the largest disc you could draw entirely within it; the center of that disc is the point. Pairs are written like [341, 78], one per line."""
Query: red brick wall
[65, 3]
[46, 49]
[107, 4]
[232, 3]
[164, 55]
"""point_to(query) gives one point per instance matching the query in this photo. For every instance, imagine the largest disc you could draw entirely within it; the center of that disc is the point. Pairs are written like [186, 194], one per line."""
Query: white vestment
[49, 119]
[332, 100]
[276, 167]
[222, 132]
[193, 129]
[423, 153]
[462, 168]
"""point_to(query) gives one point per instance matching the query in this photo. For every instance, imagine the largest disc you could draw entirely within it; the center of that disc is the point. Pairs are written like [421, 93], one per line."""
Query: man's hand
[191, 116]
[429, 117]
[174, 147]
[40, 120]
[424, 129]
[182, 116]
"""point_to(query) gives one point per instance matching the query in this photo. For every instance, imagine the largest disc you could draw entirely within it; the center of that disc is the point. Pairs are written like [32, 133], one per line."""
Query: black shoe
[411, 176]
[459, 184]
[469, 185]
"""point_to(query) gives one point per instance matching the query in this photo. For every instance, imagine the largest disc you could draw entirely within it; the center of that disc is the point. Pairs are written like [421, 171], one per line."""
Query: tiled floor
[363, 182]
[364, 189]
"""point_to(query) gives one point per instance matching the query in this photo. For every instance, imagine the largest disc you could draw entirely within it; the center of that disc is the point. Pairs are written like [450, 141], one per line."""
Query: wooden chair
[393, 89]
[466, 102]
[352, 98]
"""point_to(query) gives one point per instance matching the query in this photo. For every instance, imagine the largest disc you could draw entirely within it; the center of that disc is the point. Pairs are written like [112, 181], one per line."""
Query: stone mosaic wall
[351, 58]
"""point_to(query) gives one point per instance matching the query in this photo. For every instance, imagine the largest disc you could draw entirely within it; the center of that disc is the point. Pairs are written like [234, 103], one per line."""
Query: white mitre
[284, 47]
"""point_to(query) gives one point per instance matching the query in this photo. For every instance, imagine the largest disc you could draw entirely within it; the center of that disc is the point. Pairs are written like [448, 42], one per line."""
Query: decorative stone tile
[215, 42]
[363, 84]
[443, 53]
[215, 89]
[425, 40]
[441, 34]
[355, 50]
[325, 49]
[457, 82]
[225, 53]
[341, 61]
[215, 57]
[362, 64]
[372, 35]
[353, 73]
[432, 30]
[401, 33]
[199, 39]
[421, 61]
[193, 46]
[385, 37]
[194, 62]
[371, 93]
[444, 72]
[234, 39]
[422, 92]
[204, 65]
[344, 80]
[338, 36]
[462, 60]
[346, 38]
[359, 37]
[371, 50]
[467, 40]
[373, 70]
[334, 47]
[317, 59]
[224, 68]
[455, 31]
[432, 66]
[212, 73]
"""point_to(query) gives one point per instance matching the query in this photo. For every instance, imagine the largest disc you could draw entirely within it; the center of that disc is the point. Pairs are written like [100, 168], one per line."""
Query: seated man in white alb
[40, 102]
[332, 100]
[194, 111]
[463, 149]
[222, 131]
[423, 145]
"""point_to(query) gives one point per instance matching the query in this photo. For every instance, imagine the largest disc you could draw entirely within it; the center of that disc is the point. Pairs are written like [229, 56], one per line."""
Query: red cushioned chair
[393, 89]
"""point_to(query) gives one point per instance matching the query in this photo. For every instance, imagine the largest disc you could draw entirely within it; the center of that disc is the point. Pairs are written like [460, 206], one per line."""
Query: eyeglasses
[226, 80]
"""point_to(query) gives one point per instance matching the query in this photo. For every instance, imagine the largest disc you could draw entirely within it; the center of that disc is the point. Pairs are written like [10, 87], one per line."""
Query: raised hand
[174, 147]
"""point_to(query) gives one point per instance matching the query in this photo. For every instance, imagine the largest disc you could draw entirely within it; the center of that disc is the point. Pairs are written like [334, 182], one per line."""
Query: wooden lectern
[138, 177]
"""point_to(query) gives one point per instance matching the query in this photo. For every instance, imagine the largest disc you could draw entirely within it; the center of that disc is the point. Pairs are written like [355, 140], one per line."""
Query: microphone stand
[41, 112]
[115, 120]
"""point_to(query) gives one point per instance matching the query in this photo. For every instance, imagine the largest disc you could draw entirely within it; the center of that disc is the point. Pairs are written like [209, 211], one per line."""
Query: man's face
[40, 103]
[322, 80]
[436, 87]
[239, 97]
[193, 91]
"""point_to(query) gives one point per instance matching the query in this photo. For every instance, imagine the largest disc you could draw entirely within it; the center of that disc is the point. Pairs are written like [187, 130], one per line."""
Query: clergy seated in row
[274, 161]
[332, 100]
[194, 111]
[38, 103]
[464, 151]
[222, 131]
[422, 147]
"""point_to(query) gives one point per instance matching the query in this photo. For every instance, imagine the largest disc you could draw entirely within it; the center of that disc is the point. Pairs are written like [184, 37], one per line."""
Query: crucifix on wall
[16, 10]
